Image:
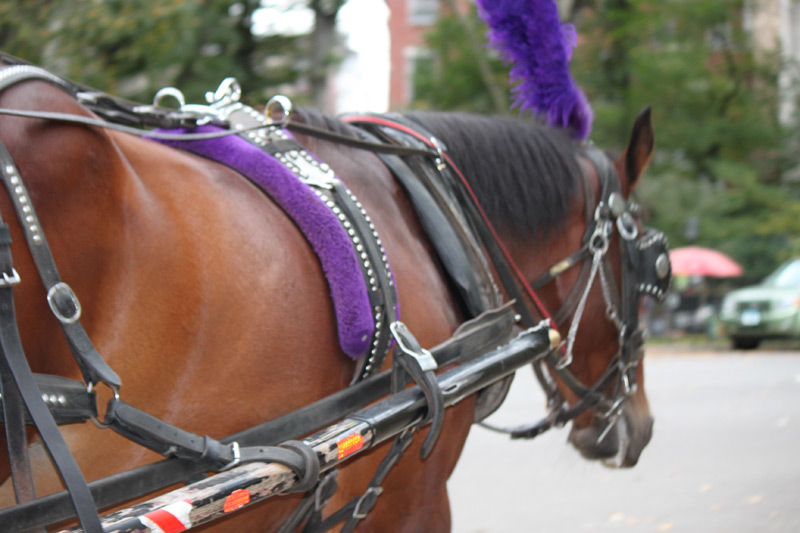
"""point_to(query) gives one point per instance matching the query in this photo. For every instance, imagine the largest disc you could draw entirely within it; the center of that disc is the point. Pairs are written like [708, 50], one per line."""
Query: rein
[600, 228]
[210, 454]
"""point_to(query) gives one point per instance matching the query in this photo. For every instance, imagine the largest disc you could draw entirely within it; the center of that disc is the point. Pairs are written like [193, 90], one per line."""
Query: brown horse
[212, 307]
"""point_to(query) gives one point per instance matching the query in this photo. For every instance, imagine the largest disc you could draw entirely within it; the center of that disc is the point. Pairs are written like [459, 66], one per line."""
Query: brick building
[408, 22]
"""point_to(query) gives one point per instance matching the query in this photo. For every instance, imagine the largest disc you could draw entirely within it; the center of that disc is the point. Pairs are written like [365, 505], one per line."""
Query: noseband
[645, 271]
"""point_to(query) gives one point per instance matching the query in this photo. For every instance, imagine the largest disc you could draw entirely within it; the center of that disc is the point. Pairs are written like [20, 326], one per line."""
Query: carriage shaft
[237, 488]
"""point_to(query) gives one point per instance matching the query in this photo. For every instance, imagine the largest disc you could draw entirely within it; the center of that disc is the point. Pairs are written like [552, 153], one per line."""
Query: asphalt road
[725, 457]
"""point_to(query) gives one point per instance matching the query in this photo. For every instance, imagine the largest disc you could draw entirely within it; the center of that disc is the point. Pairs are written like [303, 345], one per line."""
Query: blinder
[651, 257]
[645, 271]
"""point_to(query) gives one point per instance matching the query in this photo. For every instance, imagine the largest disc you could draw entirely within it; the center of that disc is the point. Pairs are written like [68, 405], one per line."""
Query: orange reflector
[349, 445]
[238, 498]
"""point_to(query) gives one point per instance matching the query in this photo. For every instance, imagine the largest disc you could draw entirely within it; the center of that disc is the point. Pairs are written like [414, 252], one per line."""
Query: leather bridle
[644, 260]
[645, 270]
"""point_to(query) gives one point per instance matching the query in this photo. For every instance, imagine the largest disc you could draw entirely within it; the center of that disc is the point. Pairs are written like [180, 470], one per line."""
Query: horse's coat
[169, 255]
[320, 226]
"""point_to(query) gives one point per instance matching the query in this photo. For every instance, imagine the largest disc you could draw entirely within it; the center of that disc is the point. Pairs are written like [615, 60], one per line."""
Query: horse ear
[640, 149]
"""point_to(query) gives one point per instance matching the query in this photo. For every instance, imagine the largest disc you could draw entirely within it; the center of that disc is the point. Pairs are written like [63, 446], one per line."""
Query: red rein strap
[517, 272]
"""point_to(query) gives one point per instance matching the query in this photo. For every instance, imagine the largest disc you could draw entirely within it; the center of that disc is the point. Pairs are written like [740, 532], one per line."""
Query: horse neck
[72, 175]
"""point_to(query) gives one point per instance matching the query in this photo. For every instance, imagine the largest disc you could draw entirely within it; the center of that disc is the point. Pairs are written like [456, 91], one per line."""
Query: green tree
[453, 75]
[133, 49]
[720, 147]
[721, 153]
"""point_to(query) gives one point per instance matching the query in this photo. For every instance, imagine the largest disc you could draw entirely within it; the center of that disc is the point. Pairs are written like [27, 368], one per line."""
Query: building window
[423, 12]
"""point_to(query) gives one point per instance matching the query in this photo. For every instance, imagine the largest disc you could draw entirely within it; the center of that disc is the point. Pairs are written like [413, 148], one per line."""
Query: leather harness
[462, 236]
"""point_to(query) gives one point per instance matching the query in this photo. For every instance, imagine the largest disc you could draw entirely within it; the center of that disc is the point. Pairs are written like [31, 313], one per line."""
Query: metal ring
[102, 424]
[278, 104]
[62, 289]
[228, 92]
[627, 227]
[598, 242]
[169, 91]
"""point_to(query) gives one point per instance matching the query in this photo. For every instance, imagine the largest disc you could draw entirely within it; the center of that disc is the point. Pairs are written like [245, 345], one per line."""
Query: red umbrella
[699, 261]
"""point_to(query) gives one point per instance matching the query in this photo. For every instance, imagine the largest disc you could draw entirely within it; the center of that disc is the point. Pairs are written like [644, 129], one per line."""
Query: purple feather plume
[532, 38]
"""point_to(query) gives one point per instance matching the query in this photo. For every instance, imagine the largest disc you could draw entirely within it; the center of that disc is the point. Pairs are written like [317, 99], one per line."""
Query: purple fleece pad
[320, 226]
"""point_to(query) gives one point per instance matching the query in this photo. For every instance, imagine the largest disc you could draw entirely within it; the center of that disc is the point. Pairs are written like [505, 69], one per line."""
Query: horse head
[601, 329]
[562, 210]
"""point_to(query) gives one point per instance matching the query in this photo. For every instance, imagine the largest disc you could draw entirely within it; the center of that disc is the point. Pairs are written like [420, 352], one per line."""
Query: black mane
[524, 173]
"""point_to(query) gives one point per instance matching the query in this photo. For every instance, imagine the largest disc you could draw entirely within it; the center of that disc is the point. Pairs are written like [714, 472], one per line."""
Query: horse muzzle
[621, 446]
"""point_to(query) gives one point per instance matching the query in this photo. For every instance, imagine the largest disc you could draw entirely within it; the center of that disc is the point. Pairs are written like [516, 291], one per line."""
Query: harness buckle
[566, 360]
[440, 164]
[10, 280]
[237, 456]
[64, 303]
[367, 501]
[102, 424]
[599, 241]
[404, 341]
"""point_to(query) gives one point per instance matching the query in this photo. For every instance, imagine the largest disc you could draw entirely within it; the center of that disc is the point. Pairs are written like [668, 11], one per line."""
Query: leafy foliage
[133, 49]
[449, 78]
[721, 150]
[722, 157]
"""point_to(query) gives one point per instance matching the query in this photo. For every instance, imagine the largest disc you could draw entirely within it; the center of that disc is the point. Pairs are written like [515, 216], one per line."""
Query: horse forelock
[525, 174]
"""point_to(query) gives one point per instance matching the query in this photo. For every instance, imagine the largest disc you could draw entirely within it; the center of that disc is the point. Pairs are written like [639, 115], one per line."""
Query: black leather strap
[358, 508]
[375, 147]
[450, 236]
[487, 240]
[92, 365]
[471, 339]
[166, 439]
[14, 421]
[17, 366]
